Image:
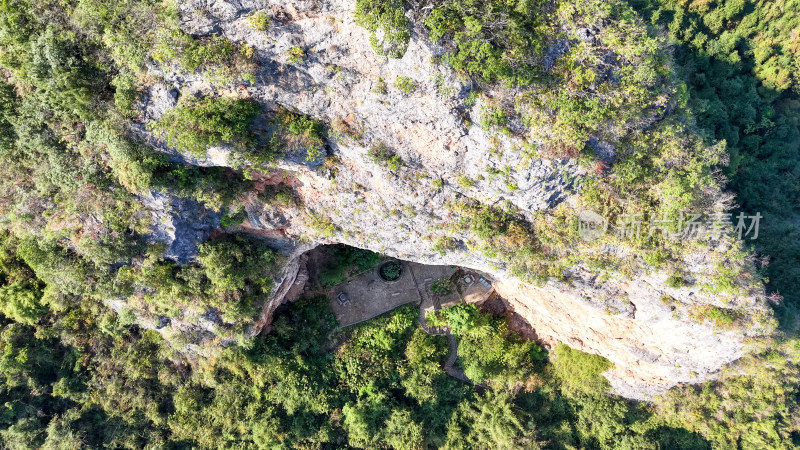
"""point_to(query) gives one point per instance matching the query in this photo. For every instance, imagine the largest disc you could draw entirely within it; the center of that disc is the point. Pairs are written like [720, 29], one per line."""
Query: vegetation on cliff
[194, 125]
[75, 372]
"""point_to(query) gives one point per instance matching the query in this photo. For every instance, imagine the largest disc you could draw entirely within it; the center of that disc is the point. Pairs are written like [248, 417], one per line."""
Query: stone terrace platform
[370, 296]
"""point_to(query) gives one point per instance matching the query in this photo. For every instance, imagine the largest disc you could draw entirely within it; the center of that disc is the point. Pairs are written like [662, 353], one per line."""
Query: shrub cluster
[380, 154]
[196, 124]
[389, 28]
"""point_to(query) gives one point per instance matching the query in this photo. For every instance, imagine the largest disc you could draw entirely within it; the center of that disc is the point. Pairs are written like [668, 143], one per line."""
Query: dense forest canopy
[76, 373]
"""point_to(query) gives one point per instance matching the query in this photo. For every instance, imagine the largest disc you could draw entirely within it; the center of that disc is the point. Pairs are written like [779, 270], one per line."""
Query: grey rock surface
[403, 213]
[180, 224]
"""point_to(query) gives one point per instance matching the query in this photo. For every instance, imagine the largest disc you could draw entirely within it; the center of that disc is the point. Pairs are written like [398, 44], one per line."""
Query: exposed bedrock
[404, 213]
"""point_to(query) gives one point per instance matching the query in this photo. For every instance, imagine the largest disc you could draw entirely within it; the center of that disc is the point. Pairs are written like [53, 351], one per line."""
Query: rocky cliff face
[651, 348]
[643, 326]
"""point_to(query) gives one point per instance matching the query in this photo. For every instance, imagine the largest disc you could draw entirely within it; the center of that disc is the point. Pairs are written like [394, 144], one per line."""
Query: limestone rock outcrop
[402, 213]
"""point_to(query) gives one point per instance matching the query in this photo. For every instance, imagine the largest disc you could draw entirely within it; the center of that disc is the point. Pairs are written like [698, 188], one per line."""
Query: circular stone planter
[390, 269]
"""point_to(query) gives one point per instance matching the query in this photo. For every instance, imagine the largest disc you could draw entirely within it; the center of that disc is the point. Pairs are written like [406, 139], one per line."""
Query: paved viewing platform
[367, 295]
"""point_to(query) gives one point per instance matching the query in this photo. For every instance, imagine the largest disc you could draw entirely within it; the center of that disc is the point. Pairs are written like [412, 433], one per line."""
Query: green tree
[402, 432]
[388, 26]
[196, 124]
[489, 421]
[21, 301]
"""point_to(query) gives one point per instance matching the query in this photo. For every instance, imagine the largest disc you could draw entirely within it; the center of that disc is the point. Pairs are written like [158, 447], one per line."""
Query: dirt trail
[449, 365]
